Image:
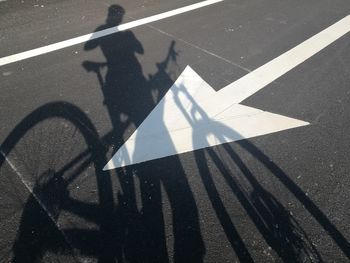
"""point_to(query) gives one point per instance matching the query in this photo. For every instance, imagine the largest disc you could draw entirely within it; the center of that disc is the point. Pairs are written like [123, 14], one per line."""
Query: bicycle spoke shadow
[31, 152]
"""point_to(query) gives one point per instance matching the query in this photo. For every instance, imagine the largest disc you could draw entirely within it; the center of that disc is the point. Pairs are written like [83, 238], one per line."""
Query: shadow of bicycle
[72, 210]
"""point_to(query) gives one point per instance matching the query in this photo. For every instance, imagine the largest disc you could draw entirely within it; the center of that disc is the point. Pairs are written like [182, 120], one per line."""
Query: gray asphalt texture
[282, 197]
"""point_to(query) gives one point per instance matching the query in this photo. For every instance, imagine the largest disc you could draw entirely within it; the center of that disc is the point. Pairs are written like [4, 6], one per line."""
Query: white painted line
[102, 33]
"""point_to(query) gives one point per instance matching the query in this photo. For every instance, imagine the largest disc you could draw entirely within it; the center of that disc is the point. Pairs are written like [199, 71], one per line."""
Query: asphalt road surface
[279, 197]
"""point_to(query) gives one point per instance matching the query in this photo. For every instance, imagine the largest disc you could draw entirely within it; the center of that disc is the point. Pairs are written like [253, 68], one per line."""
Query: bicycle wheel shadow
[32, 152]
[279, 228]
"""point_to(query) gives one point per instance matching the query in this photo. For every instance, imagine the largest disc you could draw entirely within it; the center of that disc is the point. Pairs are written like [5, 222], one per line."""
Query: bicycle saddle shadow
[93, 66]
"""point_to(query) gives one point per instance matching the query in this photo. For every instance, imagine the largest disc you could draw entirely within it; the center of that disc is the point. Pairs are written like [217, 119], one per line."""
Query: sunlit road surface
[229, 121]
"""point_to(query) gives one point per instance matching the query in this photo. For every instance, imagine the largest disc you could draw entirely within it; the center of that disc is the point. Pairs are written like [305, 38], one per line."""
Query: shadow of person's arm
[93, 43]
[138, 48]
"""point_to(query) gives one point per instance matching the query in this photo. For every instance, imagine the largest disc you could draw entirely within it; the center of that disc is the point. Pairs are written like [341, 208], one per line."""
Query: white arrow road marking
[193, 116]
[179, 124]
[102, 33]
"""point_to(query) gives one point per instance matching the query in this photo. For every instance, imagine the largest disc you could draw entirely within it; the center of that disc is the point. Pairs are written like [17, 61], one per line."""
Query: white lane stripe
[264, 75]
[102, 33]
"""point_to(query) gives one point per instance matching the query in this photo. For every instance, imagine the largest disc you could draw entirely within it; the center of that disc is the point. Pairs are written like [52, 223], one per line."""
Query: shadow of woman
[128, 98]
[125, 89]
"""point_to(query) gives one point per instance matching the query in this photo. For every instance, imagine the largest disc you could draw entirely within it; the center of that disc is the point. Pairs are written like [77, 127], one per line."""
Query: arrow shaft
[254, 81]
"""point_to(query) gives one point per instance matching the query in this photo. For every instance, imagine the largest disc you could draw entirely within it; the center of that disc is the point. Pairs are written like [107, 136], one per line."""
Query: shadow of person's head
[115, 15]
